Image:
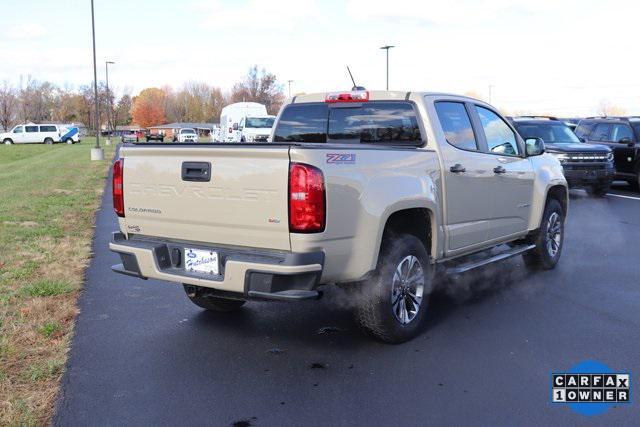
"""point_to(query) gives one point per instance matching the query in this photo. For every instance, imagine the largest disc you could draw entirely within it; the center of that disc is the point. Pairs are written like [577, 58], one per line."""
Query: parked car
[186, 135]
[585, 165]
[41, 133]
[621, 134]
[375, 191]
[150, 136]
[129, 136]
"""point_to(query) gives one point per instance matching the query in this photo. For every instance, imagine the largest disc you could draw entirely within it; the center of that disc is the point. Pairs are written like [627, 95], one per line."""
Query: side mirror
[240, 128]
[625, 140]
[534, 146]
[582, 139]
[235, 126]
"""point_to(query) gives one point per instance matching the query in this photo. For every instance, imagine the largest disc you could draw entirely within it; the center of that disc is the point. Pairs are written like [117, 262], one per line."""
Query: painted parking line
[623, 197]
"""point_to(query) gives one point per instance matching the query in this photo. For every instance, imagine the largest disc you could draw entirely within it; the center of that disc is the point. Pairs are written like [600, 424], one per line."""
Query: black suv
[585, 165]
[622, 135]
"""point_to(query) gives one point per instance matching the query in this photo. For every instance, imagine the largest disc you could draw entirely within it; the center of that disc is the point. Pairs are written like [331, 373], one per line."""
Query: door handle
[499, 169]
[196, 171]
[457, 168]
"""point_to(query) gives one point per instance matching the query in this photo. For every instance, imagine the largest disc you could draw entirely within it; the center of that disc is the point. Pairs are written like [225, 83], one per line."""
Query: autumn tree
[149, 108]
[259, 86]
[606, 108]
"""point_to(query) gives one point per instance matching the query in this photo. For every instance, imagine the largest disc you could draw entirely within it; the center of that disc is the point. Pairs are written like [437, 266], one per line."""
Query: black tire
[7, 141]
[549, 238]
[69, 141]
[48, 141]
[210, 302]
[599, 190]
[376, 313]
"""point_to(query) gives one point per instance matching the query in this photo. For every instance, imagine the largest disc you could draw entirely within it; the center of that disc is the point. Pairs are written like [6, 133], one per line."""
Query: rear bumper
[245, 273]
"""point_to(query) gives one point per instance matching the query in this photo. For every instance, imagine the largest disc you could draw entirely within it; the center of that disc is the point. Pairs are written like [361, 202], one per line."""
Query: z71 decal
[341, 158]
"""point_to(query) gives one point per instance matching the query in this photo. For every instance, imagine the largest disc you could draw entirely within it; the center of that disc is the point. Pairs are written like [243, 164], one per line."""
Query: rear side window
[621, 132]
[31, 129]
[601, 132]
[372, 122]
[379, 122]
[47, 129]
[302, 123]
[456, 125]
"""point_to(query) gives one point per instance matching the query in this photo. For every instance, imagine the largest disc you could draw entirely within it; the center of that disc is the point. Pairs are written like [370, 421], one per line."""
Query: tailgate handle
[196, 171]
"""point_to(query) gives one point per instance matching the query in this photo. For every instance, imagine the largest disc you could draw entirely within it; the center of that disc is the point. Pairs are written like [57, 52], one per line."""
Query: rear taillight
[307, 210]
[118, 189]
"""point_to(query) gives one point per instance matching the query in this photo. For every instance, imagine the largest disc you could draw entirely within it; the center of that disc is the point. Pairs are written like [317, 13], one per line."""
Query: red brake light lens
[307, 211]
[354, 96]
[118, 188]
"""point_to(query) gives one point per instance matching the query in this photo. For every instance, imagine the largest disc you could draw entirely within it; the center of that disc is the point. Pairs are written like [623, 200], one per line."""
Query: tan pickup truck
[374, 191]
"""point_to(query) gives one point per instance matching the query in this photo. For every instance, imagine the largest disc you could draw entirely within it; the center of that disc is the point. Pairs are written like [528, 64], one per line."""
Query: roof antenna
[355, 86]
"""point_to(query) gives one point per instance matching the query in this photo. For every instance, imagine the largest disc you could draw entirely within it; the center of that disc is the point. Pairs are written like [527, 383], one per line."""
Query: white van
[256, 128]
[41, 133]
[232, 115]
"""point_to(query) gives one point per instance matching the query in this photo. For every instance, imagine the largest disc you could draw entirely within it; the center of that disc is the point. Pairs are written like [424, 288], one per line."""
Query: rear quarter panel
[361, 195]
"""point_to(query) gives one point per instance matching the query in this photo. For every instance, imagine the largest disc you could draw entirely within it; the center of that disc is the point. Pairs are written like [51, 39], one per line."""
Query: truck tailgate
[243, 202]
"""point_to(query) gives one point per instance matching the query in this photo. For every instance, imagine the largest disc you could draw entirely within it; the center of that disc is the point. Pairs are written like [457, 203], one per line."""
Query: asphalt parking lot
[144, 355]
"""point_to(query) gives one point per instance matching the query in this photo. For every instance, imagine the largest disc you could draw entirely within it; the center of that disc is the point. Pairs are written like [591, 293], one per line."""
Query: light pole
[387, 49]
[97, 153]
[289, 81]
[109, 113]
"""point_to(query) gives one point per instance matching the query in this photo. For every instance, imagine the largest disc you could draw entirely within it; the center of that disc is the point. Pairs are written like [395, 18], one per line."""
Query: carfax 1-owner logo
[591, 388]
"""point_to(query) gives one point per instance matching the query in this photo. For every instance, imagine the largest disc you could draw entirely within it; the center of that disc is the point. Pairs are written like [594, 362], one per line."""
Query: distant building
[169, 130]
[121, 129]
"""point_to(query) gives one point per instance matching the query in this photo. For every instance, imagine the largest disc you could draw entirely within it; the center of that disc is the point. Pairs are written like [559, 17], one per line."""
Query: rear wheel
[48, 141]
[7, 141]
[69, 141]
[393, 307]
[199, 297]
[548, 238]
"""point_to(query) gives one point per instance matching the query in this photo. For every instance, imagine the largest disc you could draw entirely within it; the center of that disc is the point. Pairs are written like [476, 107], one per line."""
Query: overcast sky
[563, 57]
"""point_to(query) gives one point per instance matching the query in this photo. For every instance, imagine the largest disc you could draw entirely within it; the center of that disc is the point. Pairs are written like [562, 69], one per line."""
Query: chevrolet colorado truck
[376, 191]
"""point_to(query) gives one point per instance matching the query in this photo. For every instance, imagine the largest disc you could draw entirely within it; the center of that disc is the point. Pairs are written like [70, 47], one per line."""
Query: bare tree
[259, 86]
[8, 102]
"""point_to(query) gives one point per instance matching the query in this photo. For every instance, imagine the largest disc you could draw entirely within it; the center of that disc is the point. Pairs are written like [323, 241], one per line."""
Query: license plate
[201, 261]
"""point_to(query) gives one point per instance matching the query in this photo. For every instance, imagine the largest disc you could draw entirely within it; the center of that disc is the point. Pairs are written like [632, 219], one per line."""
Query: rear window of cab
[368, 122]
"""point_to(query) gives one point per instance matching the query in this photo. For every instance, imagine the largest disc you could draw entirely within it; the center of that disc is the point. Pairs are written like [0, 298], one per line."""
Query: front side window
[551, 133]
[584, 129]
[259, 122]
[500, 138]
[379, 122]
[31, 129]
[18, 129]
[601, 132]
[456, 125]
[620, 132]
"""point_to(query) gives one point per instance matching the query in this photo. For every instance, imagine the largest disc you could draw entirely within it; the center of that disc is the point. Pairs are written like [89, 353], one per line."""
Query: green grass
[48, 199]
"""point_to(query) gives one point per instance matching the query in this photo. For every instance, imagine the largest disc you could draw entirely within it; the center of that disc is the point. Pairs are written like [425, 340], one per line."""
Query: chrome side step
[463, 268]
